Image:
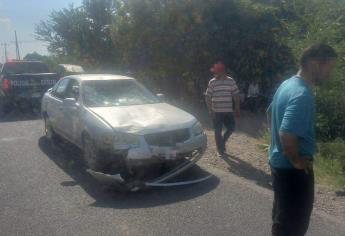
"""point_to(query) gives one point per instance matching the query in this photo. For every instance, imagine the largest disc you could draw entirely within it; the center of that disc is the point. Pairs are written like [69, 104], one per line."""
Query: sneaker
[220, 153]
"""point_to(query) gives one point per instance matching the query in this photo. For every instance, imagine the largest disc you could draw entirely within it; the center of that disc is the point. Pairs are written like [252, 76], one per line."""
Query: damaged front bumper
[140, 158]
[146, 155]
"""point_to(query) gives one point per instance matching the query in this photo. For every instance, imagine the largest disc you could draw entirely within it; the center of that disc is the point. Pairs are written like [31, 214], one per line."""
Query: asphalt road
[44, 191]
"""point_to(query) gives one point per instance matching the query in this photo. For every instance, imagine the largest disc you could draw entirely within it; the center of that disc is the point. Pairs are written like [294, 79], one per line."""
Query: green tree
[172, 44]
[313, 21]
[80, 34]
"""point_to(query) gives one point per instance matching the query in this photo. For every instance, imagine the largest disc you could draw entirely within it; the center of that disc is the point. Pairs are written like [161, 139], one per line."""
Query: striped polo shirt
[221, 92]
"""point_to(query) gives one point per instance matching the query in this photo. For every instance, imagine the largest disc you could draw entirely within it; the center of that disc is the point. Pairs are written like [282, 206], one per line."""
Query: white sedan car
[122, 128]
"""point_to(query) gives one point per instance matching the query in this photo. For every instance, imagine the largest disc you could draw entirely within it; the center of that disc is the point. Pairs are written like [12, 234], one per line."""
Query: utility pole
[17, 46]
[5, 50]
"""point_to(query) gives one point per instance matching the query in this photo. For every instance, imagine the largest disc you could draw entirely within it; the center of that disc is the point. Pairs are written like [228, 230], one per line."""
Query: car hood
[145, 119]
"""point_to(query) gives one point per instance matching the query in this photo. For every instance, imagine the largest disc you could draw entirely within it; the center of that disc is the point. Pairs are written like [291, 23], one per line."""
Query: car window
[69, 91]
[55, 87]
[61, 89]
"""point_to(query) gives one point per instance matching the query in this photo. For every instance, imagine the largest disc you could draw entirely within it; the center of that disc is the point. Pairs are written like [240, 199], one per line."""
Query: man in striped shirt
[221, 92]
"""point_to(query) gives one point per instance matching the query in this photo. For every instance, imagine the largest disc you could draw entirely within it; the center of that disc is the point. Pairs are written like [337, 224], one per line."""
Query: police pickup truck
[23, 83]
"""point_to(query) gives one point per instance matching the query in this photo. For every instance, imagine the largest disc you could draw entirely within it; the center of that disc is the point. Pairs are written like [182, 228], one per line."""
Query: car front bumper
[149, 155]
[162, 181]
[188, 152]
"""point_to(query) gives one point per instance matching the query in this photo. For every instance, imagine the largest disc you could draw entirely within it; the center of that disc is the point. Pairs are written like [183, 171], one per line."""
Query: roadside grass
[265, 139]
[329, 173]
[329, 162]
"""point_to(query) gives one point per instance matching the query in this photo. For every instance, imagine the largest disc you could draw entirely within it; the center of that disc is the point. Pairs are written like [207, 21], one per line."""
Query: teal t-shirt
[292, 111]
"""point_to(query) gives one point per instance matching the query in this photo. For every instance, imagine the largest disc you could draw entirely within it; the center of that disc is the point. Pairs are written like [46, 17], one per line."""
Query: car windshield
[107, 93]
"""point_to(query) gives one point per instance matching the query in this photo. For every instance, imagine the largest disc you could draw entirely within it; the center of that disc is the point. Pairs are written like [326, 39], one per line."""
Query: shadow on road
[69, 159]
[17, 115]
[245, 170]
[340, 193]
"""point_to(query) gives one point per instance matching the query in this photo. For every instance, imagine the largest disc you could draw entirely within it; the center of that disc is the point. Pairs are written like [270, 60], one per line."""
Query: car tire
[91, 154]
[48, 130]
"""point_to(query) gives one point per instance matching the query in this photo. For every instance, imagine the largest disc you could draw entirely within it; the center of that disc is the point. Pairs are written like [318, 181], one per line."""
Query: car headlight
[197, 129]
[125, 141]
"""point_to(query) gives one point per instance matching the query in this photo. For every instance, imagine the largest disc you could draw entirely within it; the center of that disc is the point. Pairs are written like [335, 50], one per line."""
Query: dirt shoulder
[246, 160]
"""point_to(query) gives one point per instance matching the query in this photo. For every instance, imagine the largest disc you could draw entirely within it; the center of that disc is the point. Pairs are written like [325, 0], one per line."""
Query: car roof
[86, 77]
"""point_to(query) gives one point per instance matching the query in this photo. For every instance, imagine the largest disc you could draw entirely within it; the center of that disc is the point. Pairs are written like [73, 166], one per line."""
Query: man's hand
[303, 163]
[237, 113]
[289, 144]
[211, 112]
[237, 106]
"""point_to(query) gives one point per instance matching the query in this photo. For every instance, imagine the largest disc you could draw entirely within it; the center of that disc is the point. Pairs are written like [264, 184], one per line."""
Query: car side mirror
[75, 91]
[161, 97]
[70, 102]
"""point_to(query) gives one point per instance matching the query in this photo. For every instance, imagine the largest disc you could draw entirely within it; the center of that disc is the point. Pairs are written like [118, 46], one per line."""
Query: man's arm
[208, 103]
[208, 97]
[237, 100]
[269, 116]
[289, 144]
[236, 97]
[295, 124]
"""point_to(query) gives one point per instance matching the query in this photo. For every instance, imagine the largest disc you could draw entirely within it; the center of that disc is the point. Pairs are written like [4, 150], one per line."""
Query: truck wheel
[91, 154]
[5, 107]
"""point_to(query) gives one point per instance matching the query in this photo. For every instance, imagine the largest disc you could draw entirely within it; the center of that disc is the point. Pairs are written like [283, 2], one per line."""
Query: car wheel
[48, 130]
[91, 154]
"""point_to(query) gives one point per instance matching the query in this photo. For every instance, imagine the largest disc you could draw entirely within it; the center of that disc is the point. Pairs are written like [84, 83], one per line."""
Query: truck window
[14, 68]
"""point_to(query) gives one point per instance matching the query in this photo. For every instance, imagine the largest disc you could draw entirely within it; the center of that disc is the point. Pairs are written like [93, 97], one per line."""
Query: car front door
[71, 109]
[55, 106]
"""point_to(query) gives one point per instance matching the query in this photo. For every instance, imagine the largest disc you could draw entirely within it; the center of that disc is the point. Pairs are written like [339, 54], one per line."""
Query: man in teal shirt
[292, 146]
[292, 112]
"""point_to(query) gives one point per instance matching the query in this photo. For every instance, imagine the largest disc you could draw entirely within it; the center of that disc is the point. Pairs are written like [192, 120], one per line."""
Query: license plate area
[167, 153]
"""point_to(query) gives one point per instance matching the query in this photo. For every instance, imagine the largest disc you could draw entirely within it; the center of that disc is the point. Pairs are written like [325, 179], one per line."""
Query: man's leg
[306, 190]
[218, 126]
[277, 211]
[229, 123]
[293, 201]
[255, 104]
[251, 103]
[284, 212]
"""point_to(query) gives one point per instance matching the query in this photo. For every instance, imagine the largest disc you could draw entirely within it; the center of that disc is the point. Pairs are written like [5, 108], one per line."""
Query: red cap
[218, 68]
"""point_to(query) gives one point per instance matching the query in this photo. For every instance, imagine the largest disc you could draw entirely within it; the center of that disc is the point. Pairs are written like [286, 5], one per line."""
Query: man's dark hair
[319, 52]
